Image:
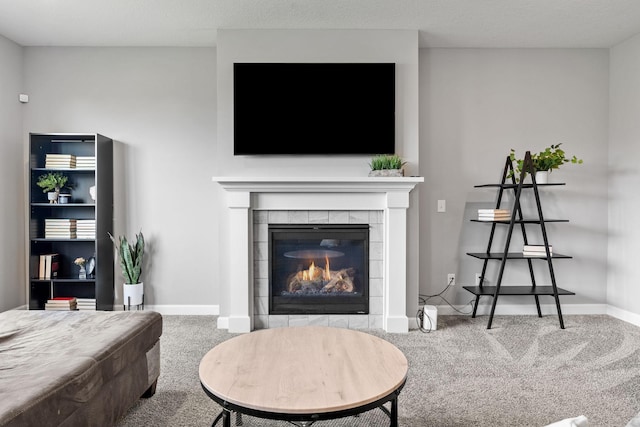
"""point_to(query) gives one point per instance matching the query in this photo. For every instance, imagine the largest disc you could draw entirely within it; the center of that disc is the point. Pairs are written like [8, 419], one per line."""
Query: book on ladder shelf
[494, 214]
[536, 250]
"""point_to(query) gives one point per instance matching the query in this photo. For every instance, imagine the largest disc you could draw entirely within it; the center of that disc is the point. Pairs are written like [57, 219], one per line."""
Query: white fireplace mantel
[315, 184]
[247, 194]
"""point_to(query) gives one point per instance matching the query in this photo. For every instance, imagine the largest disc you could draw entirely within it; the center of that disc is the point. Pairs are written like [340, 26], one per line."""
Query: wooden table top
[303, 370]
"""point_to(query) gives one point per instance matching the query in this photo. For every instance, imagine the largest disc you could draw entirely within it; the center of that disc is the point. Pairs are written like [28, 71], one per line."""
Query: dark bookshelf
[80, 206]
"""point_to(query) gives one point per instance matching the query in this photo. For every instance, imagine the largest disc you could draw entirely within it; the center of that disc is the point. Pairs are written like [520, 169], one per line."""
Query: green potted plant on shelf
[386, 165]
[130, 257]
[544, 162]
[51, 183]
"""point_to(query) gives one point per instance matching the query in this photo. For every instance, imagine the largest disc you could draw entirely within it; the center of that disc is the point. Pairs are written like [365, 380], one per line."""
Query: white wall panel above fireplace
[353, 193]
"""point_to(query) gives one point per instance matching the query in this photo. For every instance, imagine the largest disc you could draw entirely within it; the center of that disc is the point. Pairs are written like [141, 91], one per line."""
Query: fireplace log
[295, 284]
[341, 281]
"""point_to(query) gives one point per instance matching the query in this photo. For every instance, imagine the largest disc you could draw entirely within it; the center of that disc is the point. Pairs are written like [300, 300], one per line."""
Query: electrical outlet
[451, 279]
[478, 279]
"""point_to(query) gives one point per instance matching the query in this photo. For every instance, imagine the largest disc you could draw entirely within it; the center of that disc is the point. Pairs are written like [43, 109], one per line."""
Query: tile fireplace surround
[248, 195]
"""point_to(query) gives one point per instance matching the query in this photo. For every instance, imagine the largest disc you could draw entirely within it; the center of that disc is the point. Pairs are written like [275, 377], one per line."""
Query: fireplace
[318, 269]
[255, 202]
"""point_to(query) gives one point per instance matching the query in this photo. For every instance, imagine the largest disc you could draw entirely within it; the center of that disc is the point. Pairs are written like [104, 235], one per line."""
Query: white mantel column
[395, 263]
[240, 255]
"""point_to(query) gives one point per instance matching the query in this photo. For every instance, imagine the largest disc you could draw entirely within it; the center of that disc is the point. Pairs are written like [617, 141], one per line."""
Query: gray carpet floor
[525, 371]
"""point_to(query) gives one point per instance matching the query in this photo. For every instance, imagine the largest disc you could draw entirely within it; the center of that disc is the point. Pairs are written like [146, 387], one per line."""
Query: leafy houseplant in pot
[386, 165]
[130, 257]
[544, 162]
[51, 183]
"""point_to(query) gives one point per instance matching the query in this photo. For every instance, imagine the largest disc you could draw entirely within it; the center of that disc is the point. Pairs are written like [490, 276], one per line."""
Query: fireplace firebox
[319, 269]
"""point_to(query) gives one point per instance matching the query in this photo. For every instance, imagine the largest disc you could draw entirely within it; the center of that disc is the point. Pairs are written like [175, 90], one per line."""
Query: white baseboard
[483, 310]
[186, 310]
[528, 309]
[625, 315]
[223, 322]
[547, 309]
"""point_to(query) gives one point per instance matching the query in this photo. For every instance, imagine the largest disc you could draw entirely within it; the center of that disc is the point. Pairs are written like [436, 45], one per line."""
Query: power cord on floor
[423, 319]
[420, 316]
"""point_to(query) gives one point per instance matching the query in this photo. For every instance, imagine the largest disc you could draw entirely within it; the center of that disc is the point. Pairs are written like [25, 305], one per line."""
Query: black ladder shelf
[505, 255]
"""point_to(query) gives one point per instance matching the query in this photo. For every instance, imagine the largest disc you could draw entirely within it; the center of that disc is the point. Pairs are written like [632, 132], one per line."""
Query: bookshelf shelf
[514, 218]
[89, 216]
[512, 255]
[516, 290]
[62, 205]
[522, 221]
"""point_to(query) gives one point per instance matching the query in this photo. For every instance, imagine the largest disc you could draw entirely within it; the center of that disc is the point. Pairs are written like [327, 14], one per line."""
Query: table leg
[215, 421]
[226, 418]
[394, 412]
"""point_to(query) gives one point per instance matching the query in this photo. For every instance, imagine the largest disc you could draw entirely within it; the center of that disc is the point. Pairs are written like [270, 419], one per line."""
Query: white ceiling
[441, 23]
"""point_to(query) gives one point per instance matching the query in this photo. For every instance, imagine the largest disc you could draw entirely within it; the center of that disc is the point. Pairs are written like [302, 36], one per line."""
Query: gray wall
[159, 104]
[477, 104]
[623, 284]
[12, 237]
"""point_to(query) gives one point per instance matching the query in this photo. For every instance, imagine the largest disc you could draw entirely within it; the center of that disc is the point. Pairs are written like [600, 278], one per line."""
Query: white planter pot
[542, 177]
[387, 172]
[133, 294]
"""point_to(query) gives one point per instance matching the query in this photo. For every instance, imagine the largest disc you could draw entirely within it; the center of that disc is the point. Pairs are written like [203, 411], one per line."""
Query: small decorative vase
[133, 294]
[82, 274]
[542, 177]
[53, 197]
[91, 267]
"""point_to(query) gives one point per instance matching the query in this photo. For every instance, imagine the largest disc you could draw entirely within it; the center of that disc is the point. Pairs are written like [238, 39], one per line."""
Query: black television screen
[314, 108]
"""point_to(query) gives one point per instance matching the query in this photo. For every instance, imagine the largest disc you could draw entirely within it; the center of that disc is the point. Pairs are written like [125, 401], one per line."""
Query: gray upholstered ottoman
[75, 368]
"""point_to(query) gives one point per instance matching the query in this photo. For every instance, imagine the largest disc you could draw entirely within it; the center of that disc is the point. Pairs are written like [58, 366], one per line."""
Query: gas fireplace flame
[318, 279]
[314, 273]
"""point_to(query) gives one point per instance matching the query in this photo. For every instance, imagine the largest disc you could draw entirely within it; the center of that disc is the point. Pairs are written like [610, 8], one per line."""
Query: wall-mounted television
[314, 108]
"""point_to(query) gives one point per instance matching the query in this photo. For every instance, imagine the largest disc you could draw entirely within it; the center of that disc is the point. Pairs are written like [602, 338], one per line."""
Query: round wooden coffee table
[304, 374]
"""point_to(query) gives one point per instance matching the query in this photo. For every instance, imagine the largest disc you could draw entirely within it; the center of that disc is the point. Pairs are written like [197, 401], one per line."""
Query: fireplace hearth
[319, 269]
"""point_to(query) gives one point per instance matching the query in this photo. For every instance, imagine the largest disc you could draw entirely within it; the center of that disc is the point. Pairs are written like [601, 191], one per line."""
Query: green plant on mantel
[130, 257]
[52, 181]
[386, 161]
[548, 159]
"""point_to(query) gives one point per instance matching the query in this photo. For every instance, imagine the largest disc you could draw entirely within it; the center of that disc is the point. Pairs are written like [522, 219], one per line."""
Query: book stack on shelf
[61, 303]
[60, 161]
[494, 214]
[48, 266]
[536, 250]
[86, 228]
[86, 162]
[60, 228]
[86, 304]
